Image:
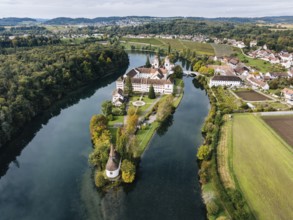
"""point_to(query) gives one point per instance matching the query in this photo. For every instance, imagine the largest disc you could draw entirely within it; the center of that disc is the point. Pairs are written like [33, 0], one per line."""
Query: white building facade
[232, 81]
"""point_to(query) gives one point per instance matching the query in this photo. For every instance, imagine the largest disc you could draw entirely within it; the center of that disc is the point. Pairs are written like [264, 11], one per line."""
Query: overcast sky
[160, 8]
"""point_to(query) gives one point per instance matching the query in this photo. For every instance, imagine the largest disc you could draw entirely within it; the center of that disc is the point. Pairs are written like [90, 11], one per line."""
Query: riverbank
[222, 201]
[49, 78]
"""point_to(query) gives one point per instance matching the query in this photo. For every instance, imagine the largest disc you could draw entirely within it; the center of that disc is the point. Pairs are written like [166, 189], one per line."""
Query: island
[143, 99]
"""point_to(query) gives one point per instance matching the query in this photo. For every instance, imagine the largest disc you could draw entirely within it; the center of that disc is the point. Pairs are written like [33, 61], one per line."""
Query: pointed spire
[112, 151]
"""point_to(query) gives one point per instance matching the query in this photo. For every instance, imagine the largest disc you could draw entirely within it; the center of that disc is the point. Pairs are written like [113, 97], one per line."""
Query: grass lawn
[263, 166]
[117, 119]
[144, 137]
[113, 134]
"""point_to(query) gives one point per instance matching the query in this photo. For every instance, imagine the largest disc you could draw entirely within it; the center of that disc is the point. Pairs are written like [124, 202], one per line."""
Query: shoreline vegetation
[38, 77]
[130, 129]
[221, 202]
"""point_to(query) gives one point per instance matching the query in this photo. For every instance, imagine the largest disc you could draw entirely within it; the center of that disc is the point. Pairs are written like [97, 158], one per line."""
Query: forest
[29, 41]
[32, 80]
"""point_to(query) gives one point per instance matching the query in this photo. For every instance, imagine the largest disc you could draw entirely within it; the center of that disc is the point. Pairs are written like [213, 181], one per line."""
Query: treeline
[32, 80]
[219, 200]
[20, 31]
[275, 40]
[29, 41]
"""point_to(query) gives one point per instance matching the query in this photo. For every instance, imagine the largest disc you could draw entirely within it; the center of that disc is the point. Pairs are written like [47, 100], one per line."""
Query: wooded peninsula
[31, 80]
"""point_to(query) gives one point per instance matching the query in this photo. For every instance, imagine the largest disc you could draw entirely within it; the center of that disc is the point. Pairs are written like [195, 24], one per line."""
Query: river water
[44, 173]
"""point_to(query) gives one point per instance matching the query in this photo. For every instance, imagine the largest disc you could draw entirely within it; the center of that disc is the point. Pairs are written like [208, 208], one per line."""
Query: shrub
[203, 152]
[100, 180]
[212, 208]
[128, 171]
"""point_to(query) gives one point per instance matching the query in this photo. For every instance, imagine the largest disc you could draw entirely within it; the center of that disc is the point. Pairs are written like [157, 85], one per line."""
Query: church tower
[113, 164]
[156, 62]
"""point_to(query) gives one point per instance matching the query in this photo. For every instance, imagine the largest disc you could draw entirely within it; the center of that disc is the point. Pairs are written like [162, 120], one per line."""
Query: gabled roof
[131, 73]
[288, 91]
[281, 74]
[226, 78]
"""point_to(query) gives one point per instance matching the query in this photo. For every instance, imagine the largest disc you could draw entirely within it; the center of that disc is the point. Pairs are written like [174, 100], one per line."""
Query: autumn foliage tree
[128, 171]
[165, 108]
[203, 152]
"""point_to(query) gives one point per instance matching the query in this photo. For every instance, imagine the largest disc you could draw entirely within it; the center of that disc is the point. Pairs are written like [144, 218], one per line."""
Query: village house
[275, 75]
[233, 81]
[288, 94]
[258, 82]
[241, 70]
[253, 43]
[118, 97]
[233, 62]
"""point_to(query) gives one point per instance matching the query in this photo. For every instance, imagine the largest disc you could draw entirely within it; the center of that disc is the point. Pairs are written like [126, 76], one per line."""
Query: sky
[159, 8]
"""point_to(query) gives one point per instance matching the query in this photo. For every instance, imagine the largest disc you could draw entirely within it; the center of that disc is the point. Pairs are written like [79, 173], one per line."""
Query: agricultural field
[147, 41]
[174, 43]
[222, 50]
[199, 48]
[263, 167]
[282, 125]
[251, 95]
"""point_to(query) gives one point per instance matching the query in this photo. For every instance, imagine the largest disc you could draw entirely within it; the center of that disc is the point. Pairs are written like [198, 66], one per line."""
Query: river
[44, 174]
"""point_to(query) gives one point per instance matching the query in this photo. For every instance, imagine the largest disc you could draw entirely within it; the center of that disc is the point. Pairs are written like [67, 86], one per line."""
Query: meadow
[222, 50]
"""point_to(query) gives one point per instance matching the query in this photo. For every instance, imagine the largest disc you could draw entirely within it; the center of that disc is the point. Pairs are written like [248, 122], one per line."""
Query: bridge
[190, 73]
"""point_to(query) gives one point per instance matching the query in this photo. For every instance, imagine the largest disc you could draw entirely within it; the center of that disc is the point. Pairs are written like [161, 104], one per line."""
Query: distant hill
[11, 21]
[66, 20]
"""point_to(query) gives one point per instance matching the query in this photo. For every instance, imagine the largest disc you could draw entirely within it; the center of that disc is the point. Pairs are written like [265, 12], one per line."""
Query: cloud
[96, 8]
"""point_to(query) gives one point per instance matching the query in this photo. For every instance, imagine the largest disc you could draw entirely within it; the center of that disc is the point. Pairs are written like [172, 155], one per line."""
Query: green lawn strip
[113, 131]
[179, 82]
[117, 119]
[177, 100]
[144, 136]
[263, 167]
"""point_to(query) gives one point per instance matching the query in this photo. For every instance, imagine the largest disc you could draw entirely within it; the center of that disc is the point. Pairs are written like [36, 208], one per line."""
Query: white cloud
[97, 8]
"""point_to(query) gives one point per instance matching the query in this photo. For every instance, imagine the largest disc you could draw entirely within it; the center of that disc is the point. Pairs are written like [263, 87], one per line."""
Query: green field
[222, 50]
[147, 41]
[263, 167]
[199, 48]
[175, 44]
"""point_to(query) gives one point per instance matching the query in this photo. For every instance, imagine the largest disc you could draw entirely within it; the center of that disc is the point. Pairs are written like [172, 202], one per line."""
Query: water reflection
[10, 151]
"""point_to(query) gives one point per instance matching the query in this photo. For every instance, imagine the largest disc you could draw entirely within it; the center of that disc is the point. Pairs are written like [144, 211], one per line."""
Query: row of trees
[32, 80]
[29, 41]
[223, 199]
